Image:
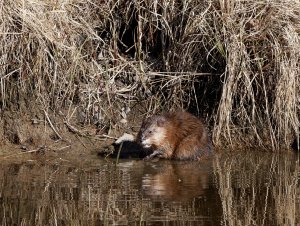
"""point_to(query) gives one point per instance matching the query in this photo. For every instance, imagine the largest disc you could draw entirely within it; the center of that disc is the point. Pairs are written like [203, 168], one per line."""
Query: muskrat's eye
[150, 131]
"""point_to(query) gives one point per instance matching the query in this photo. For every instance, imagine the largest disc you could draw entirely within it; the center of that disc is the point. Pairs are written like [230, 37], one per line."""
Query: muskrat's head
[152, 131]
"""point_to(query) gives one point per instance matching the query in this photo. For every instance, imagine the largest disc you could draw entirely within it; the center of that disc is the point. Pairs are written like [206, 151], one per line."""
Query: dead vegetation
[94, 62]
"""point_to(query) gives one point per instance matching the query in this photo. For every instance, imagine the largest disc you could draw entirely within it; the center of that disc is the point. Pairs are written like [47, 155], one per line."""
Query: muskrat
[175, 135]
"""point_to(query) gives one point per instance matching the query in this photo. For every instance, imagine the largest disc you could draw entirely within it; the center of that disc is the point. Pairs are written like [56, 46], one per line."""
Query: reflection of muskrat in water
[178, 181]
[175, 135]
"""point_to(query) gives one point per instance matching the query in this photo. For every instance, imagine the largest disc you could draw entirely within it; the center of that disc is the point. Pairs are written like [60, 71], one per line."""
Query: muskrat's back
[175, 135]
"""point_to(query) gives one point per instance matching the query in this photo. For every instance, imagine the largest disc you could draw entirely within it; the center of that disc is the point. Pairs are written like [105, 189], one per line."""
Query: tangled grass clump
[234, 62]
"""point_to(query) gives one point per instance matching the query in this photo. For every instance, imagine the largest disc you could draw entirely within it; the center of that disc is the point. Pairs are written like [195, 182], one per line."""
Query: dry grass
[234, 62]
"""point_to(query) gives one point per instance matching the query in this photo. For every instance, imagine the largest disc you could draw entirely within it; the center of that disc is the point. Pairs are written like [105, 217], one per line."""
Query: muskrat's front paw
[154, 154]
[149, 157]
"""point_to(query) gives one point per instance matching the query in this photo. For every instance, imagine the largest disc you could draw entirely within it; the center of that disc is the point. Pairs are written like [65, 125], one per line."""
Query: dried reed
[234, 62]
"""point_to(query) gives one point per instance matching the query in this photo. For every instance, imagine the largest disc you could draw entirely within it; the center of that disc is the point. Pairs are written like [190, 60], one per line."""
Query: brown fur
[175, 135]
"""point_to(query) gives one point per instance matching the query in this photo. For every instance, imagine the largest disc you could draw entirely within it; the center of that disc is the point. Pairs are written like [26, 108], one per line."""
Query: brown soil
[23, 132]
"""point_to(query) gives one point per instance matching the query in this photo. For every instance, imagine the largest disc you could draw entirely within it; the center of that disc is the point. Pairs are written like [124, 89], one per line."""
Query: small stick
[59, 149]
[78, 137]
[106, 136]
[51, 125]
[73, 129]
[25, 152]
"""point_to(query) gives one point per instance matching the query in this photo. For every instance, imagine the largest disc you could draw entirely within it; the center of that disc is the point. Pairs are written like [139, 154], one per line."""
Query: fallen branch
[74, 130]
[24, 152]
[51, 125]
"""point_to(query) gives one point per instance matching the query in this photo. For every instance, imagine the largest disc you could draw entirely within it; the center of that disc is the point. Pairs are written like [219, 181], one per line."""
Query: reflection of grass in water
[286, 195]
[65, 195]
[258, 190]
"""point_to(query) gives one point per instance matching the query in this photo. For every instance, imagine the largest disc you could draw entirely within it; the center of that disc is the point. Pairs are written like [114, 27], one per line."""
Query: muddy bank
[42, 131]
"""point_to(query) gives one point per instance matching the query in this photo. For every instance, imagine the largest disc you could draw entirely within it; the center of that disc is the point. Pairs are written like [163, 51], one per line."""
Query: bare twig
[51, 125]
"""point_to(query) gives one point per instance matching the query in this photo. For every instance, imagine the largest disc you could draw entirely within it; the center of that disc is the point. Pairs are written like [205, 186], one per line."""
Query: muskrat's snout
[142, 138]
[145, 144]
[145, 140]
[139, 138]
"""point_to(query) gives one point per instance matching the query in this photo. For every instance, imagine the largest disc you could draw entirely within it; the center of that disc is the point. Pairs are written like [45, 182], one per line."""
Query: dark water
[231, 189]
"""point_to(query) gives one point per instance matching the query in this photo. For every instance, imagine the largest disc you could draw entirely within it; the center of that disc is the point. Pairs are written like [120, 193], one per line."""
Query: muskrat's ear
[160, 121]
